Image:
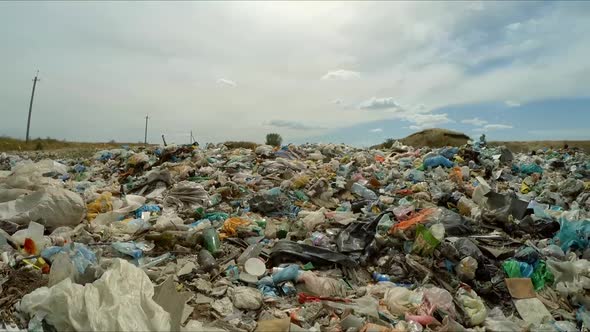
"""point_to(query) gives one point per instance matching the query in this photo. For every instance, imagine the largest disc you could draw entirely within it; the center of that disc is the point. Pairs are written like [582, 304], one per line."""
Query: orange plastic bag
[456, 175]
[102, 204]
[231, 225]
[418, 218]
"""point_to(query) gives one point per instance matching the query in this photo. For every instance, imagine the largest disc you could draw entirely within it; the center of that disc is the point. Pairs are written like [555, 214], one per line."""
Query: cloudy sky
[336, 71]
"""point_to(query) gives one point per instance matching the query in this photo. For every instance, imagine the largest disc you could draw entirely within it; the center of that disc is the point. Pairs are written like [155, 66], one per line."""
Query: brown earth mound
[436, 137]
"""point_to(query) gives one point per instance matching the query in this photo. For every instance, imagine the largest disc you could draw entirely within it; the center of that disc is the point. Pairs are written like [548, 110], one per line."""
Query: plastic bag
[420, 217]
[529, 169]
[516, 269]
[230, 226]
[400, 300]
[103, 204]
[573, 234]
[473, 306]
[187, 194]
[31, 176]
[466, 268]
[322, 286]
[438, 298]
[121, 300]
[51, 207]
[79, 253]
[314, 219]
[436, 161]
[541, 276]
[425, 242]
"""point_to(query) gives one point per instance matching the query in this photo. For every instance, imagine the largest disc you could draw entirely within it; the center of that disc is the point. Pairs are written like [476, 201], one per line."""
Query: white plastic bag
[121, 300]
[51, 207]
[400, 300]
[473, 306]
[321, 286]
[30, 175]
[314, 219]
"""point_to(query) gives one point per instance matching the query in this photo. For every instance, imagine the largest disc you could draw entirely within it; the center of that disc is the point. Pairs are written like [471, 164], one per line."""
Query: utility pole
[31, 104]
[145, 135]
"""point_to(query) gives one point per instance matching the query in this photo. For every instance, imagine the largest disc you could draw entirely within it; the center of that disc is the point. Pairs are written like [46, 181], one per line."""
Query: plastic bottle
[211, 240]
[381, 277]
[156, 260]
[128, 248]
[206, 260]
[363, 192]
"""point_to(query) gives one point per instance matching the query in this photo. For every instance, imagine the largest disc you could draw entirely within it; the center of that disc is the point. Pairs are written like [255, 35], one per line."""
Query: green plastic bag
[541, 276]
[425, 242]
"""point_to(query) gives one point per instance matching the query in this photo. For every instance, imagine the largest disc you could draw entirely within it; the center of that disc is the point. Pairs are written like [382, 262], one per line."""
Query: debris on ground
[316, 237]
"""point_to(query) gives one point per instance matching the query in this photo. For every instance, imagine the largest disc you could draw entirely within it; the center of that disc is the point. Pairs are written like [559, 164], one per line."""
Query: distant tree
[274, 139]
[388, 143]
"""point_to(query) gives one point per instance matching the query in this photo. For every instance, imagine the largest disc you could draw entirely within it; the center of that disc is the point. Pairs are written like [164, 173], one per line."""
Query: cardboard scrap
[520, 288]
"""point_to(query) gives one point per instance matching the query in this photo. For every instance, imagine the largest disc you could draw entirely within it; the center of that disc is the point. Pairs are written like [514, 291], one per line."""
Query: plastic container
[255, 267]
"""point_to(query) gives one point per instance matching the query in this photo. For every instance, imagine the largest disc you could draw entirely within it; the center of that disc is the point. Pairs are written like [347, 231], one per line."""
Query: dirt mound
[436, 137]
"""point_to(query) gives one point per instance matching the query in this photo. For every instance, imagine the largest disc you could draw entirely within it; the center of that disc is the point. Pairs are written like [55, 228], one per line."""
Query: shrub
[274, 139]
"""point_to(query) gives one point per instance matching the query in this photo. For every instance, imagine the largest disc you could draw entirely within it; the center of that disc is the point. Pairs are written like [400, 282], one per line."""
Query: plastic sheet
[121, 300]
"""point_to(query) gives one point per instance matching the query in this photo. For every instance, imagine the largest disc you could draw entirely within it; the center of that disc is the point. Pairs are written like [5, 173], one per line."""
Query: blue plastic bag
[146, 208]
[573, 234]
[436, 161]
[449, 153]
[290, 273]
[80, 255]
[529, 169]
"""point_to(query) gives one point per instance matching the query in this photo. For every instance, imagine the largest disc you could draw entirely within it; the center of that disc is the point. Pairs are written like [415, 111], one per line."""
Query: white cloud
[474, 121]
[426, 120]
[336, 101]
[292, 125]
[512, 103]
[342, 75]
[376, 130]
[513, 26]
[492, 127]
[226, 82]
[380, 104]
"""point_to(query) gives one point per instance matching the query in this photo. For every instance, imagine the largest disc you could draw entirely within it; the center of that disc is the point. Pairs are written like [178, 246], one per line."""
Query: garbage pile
[316, 237]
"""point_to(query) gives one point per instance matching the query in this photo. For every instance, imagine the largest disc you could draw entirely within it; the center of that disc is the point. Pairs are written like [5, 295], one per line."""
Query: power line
[35, 80]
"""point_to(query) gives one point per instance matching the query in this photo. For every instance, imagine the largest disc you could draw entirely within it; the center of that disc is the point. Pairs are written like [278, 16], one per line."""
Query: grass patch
[9, 144]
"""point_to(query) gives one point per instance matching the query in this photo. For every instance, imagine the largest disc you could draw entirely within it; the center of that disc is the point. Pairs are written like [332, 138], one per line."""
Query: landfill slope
[314, 237]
